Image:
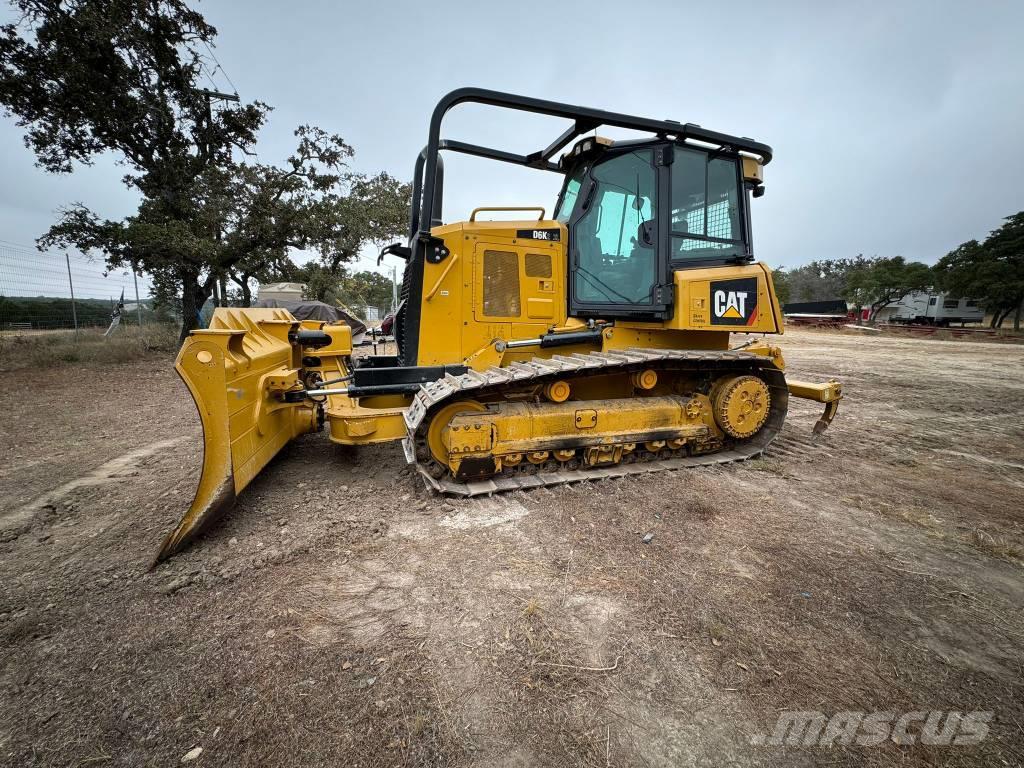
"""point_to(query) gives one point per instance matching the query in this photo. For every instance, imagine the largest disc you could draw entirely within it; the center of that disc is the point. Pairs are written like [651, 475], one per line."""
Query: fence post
[138, 306]
[71, 285]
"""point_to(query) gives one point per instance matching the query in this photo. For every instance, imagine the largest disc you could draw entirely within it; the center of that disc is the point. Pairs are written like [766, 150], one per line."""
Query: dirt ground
[343, 616]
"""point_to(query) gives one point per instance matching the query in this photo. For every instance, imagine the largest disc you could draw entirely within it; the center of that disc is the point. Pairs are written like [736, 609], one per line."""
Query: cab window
[568, 202]
[705, 206]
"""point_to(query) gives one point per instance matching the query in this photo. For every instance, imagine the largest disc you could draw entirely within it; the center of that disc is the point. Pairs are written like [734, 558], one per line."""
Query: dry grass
[58, 348]
[771, 465]
[992, 544]
[997, 546]
[542, 686]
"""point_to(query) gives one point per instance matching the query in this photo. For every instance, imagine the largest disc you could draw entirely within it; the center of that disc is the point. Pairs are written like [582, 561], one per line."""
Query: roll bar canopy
[429, 174]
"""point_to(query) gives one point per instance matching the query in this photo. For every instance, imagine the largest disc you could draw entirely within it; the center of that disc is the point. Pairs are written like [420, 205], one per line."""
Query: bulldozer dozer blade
[237, 372]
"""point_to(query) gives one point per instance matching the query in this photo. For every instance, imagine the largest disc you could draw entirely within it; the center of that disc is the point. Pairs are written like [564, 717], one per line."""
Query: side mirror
[645, 232]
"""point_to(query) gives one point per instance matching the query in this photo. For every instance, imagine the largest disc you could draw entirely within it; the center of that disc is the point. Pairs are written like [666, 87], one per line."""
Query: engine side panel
[495, 283]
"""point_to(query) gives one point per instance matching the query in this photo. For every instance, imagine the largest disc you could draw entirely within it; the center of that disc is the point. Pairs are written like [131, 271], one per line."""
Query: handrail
[417, 194]
[542, 209]
[444, 274]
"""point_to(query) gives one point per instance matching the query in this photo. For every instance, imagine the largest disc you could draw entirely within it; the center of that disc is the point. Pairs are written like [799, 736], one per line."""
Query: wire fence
[53, 290]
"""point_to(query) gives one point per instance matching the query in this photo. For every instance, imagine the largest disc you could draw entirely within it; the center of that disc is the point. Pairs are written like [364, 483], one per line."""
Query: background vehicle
[924, 308]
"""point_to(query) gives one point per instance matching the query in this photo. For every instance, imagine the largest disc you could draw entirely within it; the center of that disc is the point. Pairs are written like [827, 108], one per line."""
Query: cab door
[618, 261]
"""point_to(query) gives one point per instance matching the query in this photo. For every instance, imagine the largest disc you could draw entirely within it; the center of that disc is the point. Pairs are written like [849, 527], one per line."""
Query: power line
[16, 245]
[220, 67]
[208, 75]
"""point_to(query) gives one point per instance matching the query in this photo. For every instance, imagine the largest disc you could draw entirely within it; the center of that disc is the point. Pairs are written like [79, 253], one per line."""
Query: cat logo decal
[734, 302]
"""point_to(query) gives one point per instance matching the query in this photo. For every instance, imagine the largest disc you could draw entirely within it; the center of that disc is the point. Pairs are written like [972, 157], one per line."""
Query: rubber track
[477, 383]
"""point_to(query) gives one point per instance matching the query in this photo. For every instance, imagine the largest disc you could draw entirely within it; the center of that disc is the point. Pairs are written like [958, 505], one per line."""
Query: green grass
[49, 349]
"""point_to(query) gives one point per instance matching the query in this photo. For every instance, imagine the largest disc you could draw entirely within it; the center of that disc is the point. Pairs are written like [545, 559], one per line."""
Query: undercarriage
[587, 416]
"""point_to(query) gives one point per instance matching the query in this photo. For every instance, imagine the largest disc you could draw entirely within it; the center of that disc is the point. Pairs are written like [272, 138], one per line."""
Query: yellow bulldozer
[594, 343]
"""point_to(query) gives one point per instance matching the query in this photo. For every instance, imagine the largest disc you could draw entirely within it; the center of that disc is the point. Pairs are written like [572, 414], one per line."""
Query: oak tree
[990, 272]
[86, 77]
[885, 280]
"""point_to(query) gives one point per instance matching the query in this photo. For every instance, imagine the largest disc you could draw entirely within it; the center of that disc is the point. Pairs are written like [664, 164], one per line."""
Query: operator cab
[637, 211]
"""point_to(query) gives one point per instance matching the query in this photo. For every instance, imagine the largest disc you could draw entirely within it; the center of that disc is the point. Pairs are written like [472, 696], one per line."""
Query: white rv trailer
[923, 308]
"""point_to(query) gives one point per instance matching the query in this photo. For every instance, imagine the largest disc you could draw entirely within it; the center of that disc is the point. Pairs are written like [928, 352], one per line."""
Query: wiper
[606, 289]
[595, 281]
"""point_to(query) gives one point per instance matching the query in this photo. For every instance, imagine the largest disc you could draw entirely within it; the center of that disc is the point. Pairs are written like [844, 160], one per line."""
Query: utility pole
[138, 306]
[394, 288]
[210, 96]
[71, 285]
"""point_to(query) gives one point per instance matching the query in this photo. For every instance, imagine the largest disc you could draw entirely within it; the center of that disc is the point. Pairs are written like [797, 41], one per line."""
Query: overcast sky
[895, 125]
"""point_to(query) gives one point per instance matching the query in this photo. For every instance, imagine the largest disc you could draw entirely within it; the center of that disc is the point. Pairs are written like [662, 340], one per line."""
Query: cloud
[894, 125]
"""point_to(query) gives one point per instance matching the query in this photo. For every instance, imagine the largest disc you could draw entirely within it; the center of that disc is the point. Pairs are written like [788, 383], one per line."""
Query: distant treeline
[49, 312]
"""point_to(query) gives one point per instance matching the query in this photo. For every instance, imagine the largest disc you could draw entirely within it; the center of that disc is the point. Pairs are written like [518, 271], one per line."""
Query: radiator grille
[501, 284]
[538, 265]
[406, 351]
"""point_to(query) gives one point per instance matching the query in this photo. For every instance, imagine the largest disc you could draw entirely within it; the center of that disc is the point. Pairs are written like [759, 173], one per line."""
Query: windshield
[572, 191]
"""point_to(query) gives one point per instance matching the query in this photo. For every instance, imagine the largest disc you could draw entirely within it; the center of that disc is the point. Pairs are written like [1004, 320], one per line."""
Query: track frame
[476, 384]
